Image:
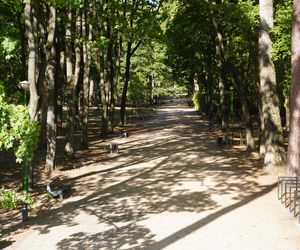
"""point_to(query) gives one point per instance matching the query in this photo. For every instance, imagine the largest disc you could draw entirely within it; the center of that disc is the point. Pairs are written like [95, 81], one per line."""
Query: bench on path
[123, 134]
[288, 192]
[56, 188]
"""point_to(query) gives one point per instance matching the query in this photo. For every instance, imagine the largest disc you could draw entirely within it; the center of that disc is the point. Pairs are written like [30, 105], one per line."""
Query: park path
[170, 187]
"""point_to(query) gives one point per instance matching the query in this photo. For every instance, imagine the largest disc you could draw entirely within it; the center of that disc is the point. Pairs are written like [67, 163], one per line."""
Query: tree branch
[135, 48]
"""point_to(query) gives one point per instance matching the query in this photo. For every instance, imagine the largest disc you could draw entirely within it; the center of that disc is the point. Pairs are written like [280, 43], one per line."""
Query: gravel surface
[170, 187]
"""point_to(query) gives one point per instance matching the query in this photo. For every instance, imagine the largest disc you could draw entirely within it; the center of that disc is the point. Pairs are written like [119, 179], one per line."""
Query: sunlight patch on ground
[164, 224]
[190, 186]
[212, 159]
[172, 110]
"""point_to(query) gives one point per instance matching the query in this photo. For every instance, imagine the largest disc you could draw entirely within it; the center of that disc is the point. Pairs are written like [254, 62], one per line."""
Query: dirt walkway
[171, 187]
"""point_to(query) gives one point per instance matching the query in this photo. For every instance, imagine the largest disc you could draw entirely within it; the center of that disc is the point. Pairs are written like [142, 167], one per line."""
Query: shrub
[17, 131]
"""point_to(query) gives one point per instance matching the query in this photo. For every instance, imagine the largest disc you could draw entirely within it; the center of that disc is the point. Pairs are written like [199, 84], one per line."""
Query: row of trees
[78, 52]
[82, 51]
[229, 45]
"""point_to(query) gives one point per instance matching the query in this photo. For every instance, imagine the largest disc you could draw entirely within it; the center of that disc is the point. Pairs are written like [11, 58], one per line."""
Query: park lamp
[24, 84]
[24, 207]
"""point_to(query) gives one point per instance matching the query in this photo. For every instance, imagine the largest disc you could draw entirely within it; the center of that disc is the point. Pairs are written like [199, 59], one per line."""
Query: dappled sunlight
[169, 179]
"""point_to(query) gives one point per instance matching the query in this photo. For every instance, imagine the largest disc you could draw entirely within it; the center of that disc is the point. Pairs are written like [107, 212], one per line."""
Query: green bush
[17, 131]
[8, 198]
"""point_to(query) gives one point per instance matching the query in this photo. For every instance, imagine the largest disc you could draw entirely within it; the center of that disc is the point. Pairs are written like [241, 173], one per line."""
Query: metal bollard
[24, 210]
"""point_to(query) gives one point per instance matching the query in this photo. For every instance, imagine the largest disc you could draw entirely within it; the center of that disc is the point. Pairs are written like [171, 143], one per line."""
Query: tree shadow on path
[173, 169]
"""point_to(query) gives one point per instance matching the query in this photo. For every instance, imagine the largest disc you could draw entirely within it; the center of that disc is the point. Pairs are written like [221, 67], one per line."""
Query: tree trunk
[272, 133]
[221, 84]
[287, 109]
[86, 79]
[72, 80]
[104, 104]
[293, 163]
[126, 81]
[30, 32]
[51, 100]
[60, 71]
[110, 80]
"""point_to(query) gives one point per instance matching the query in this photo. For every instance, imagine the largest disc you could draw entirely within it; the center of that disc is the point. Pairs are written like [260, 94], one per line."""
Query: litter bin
[24, 210]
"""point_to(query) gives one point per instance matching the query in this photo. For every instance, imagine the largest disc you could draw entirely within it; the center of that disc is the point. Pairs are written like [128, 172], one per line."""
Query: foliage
[10, 199]
[147, 62]
[281, 50]
[281, 32]
[12, 48]
[17, 131]
[170, 90]
[192, 40]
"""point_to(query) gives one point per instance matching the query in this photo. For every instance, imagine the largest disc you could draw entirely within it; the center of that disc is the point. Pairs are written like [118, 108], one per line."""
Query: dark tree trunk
[86, 79]
[110, 79]
[293, 164]
[51, 100]
[104, 103]
[72, 80]
[61, 78]
[31, 35]
[126, 81]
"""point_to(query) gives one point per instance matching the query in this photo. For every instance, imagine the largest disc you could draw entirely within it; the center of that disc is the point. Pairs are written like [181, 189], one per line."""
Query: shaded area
[170, 166]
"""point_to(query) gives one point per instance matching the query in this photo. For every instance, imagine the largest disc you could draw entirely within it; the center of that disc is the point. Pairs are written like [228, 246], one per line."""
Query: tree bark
[103, 93]
[293, 163]
[272, 129]
[287, 109]
[86, 78]
[72, 80]
[126, 81]
[30, 32]
[110, 79]
[51, 100]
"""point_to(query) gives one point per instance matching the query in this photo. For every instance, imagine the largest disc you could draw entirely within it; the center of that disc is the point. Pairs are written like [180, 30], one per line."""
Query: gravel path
[170, 187]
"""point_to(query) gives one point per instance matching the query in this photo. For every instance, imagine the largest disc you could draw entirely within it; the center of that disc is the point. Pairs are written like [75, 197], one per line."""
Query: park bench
[288, 191]
[56, 188]
[123, 134]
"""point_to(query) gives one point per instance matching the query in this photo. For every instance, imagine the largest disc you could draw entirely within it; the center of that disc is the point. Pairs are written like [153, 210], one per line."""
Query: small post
[231, 113]
[24, 211]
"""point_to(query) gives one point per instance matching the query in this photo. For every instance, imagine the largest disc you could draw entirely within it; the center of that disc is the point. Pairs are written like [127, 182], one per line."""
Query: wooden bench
[123, 134]
[56, 188]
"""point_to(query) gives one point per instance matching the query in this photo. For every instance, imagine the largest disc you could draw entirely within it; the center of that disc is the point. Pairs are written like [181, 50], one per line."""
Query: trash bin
[24, 210]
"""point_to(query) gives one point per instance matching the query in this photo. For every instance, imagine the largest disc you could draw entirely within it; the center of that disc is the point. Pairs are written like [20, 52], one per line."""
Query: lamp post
[25, 85]
[24, 208]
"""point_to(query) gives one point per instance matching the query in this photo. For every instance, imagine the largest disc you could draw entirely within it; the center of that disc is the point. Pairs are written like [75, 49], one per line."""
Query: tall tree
[87, 35]
[50, 78]
[73, 70]
[30, 25]
[271, 136]
[293, 163]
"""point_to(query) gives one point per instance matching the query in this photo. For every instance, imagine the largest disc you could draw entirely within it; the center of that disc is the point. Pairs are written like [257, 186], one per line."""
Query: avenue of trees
[233, 56]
